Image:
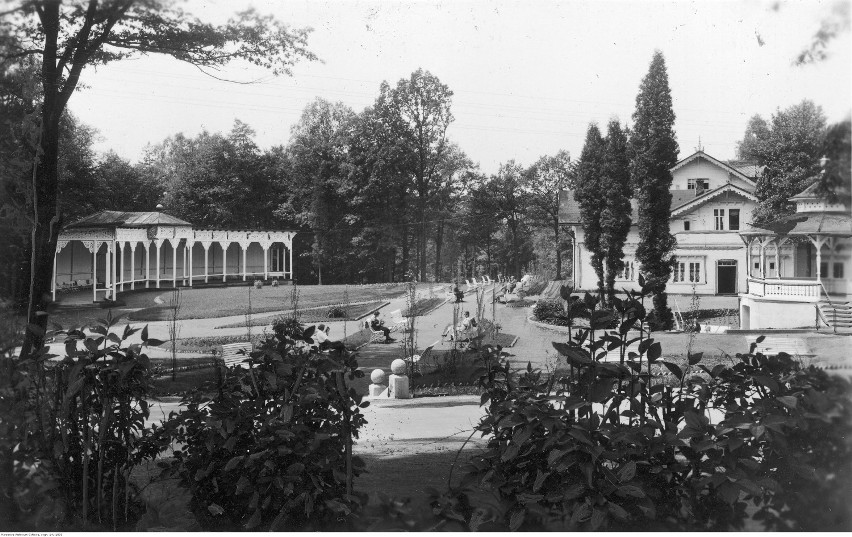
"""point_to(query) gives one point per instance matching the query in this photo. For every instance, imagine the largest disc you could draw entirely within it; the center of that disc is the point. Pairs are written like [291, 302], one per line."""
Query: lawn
[316, 315]
[212, 302]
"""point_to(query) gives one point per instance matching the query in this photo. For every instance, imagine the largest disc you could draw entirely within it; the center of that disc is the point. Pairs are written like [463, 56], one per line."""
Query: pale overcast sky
[527, 77]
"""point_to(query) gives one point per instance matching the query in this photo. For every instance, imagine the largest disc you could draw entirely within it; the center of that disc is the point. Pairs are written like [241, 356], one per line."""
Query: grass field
[315, 315]
[212, 302]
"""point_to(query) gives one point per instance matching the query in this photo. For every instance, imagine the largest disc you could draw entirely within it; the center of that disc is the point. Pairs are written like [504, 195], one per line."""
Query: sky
[527, 78]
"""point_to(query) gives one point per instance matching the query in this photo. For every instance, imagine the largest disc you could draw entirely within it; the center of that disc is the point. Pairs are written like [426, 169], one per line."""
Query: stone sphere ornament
[398, 367]
[377, 376]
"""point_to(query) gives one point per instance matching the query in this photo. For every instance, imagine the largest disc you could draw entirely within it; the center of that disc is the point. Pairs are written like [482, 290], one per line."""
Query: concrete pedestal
[398, 387]
[378, 390]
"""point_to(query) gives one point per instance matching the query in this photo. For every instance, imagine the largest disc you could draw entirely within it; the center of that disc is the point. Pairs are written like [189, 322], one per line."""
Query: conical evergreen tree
[590, 197]
[615, 217]
[654, 151]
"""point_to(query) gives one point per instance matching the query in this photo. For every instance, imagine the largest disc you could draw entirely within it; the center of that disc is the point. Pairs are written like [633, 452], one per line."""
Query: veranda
[112, 251]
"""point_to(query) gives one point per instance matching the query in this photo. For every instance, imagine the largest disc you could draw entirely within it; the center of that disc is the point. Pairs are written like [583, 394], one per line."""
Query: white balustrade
[793, 290]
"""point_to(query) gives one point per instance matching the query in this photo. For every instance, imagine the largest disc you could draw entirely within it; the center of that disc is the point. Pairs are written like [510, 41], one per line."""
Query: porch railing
[797, 290]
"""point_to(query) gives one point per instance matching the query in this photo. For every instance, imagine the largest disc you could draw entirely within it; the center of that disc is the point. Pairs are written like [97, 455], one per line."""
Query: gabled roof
[569, 209]
[724, 190]
[682, 201]
[127, 219]
[727, 167]
[749, 169]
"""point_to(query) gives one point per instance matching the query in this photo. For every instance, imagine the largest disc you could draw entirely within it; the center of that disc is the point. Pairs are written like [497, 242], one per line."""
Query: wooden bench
[232, 356]
[375, 337]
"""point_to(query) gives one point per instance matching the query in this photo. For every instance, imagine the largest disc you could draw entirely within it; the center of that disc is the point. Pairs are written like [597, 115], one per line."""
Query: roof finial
[700, 147]
[159, 206]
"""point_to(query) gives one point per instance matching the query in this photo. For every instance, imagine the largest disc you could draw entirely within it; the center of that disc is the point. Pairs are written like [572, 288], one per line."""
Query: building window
[679, 272]
[719, 217]
[695, 272]
[838, 271]
[701, 184]
[686, 225]
[688, 270]
[734, 219]
[823, 269]
[627, 271]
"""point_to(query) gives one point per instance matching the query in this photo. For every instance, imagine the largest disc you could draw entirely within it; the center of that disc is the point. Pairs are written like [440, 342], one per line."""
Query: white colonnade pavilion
[115, 251]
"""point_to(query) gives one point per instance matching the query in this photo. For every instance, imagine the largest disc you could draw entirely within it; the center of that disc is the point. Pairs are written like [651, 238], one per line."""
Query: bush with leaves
[608, 446]
[77, 431]
[273, 448]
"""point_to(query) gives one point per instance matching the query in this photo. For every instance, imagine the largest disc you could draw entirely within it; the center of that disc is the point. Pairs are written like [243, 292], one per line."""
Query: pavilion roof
[127, 219]
[836, 224]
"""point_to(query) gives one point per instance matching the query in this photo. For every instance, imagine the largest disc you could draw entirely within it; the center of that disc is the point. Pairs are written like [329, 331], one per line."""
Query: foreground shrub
[273, 448]
[70, 432]
[604, 446]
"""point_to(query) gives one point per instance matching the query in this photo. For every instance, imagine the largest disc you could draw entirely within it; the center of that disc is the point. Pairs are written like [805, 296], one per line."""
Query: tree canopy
[789, 146]
[63, 39]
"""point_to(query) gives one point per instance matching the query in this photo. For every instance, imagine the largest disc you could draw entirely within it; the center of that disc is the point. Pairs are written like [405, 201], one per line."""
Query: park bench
[375, 336]
[235, 354]
[398, 322]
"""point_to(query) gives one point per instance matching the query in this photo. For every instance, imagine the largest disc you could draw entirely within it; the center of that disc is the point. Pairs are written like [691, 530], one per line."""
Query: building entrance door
[726, 277]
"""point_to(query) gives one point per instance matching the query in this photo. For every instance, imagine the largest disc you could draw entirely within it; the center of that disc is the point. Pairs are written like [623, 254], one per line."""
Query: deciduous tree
[789, 147]
[418, 111]
[546, 178]
[66, 38]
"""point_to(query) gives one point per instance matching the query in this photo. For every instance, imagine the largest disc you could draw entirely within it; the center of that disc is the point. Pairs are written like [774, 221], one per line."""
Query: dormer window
[698, 184]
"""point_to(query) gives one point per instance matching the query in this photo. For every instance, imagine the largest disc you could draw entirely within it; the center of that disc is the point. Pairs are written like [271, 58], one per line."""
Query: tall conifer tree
[590, 197]
[654, 152]
[615, 216]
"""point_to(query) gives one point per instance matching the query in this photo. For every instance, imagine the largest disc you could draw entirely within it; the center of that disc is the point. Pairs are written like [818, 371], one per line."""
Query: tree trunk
[405, 251]
[46, 225]
[439, 240]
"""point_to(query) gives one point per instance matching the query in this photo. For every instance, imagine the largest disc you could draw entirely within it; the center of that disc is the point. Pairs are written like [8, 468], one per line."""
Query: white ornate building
[111, 251]
[712, 202]
[801, 267]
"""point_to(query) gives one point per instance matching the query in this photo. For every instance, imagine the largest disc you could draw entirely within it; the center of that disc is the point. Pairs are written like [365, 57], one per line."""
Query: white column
[245, 250]
[133, 266]
[53, 282]
[157, 244]
[189, 255]
[748, 258]
[762, 259]
[266, 263]
[119, 272]
[147, 263]
[206, 261]
[174, 262]
[184, 256]
[114, 269]
[224, 261]
[291, 260]
[95, 273]
[108, 271]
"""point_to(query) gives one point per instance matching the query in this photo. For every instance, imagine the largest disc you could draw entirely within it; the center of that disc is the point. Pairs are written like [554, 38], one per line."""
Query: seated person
[458, 293]
[377, 324]
[324, 342]
[463, 327]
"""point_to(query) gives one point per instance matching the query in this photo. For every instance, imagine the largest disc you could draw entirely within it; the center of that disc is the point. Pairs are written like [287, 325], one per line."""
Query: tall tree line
[377, 195]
